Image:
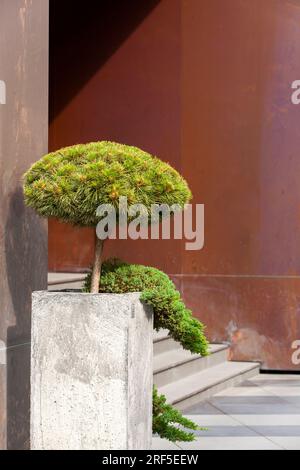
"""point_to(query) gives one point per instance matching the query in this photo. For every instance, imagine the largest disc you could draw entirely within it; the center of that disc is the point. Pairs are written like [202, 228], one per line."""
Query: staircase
[184, 378]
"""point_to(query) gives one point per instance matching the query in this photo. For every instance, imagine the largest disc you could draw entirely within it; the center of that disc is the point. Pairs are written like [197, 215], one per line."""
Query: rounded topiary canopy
[72, 182]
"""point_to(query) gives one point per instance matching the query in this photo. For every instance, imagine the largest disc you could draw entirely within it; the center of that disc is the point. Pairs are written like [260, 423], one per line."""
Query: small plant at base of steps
[166, 421]
[170, 313]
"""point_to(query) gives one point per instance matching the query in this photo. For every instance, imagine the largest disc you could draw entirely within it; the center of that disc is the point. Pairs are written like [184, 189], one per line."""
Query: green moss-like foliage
[166, 420]
[157, 290]
[72, 182]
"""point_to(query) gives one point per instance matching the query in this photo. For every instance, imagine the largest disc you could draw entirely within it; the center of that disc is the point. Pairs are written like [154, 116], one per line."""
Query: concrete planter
[91, 371]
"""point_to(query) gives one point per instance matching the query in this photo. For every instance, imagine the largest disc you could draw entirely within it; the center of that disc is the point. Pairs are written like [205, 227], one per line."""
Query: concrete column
[91, 372]
[23, 237]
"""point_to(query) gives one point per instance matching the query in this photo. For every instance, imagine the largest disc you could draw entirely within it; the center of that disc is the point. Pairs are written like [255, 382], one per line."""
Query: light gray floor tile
[268, 420]
[278, 430]
[231, 443]
[237, 430]
[203, 408]
[288, 443]
[163, 444]
[211, 420]
[262, 413]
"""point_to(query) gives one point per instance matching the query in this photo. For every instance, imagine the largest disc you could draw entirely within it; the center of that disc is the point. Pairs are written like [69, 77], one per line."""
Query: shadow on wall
[25, 267]
[114, 75]
[87, 48]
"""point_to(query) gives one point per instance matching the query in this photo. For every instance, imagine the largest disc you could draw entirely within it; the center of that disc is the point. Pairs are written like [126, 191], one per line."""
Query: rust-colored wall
[124, 73]
[206, 86]
[240, 150]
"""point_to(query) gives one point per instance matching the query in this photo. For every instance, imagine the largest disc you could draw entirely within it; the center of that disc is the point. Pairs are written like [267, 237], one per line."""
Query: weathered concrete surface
[23, 236]
[91, 372]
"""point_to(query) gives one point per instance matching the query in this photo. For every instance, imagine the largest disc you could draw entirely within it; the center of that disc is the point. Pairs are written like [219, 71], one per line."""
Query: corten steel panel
[70, 248]
[206, 85]
[259, 317]
[240, 152]
[117, 80]
[240, 133]
[23, 237]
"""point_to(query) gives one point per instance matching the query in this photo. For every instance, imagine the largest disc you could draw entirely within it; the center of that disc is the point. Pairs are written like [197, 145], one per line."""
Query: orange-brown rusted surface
[117, 80]
[258, 316]
[206, 86]
[240, 145]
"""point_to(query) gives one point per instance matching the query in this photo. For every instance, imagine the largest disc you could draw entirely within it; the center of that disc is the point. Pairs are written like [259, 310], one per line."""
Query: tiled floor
[261, 413]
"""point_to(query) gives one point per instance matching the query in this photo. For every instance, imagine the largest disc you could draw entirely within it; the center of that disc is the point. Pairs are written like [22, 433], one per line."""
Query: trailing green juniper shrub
[159, 291]
[71, 183]
[169, 423]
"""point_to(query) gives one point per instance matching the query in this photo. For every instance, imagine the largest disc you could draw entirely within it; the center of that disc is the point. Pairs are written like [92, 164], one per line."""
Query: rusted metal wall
[205, 85]
[240, 150]
[23, 238]
[119, 79]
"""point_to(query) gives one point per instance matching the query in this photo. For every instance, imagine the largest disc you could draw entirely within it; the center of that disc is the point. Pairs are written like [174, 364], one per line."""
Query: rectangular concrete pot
[91, 371]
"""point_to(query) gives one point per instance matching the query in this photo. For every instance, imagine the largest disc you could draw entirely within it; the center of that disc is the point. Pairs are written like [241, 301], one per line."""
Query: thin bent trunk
[96, 273]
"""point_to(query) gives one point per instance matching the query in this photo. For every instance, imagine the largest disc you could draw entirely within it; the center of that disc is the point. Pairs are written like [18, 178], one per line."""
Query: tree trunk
[96, 273]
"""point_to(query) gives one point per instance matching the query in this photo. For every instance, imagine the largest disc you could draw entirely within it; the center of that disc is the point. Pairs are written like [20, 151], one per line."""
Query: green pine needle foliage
[71, 183]
[159, 291]
[168, 422]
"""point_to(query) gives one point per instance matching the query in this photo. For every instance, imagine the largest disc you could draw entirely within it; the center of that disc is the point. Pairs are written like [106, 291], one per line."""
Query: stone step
[160, 335]
[60, 281]
[163, 343]
[178, 363]
[168, 344]
[202, 385]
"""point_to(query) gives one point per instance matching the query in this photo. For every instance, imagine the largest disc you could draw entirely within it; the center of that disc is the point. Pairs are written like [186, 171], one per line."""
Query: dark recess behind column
[84, 38]
[114, 75]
